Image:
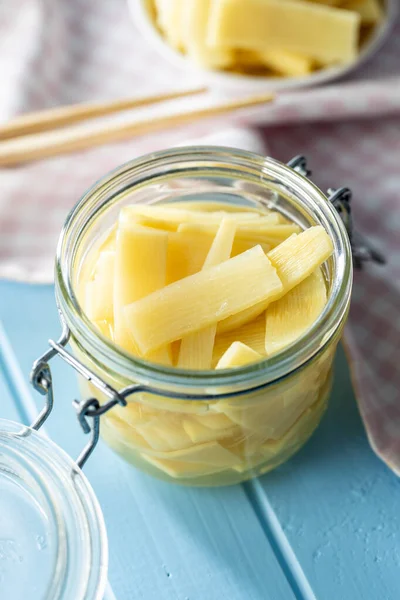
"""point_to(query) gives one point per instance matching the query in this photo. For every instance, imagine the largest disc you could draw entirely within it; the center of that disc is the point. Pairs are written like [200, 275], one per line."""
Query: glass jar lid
[53, 543]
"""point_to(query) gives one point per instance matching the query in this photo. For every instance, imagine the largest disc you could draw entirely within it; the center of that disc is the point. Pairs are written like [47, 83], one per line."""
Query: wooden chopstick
[65, 115]
[69, 139]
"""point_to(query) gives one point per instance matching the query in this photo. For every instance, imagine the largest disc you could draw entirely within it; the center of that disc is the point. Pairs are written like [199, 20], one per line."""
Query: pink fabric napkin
[365, 156]
[63, 51]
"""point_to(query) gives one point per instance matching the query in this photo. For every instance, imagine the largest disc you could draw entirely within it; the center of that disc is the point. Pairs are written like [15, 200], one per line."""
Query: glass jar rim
[144, 170]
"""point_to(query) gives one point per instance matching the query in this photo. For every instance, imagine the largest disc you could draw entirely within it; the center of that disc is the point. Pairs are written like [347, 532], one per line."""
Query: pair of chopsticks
[52, 132]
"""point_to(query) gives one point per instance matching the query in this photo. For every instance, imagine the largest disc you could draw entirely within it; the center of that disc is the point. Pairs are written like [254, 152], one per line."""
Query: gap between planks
[278, 541]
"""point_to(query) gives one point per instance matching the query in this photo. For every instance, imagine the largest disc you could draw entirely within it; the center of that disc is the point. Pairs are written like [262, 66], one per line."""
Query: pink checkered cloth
[56, 52]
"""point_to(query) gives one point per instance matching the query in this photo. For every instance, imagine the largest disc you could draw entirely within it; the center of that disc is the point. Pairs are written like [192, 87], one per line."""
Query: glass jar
[207, 427]
[53, 544]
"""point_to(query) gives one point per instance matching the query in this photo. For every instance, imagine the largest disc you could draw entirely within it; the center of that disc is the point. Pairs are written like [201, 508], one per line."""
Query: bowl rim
[140, 15]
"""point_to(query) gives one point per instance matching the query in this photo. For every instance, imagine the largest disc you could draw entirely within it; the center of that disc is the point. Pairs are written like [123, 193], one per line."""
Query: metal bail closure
[41, 380]
[362, 250]
[299, 164]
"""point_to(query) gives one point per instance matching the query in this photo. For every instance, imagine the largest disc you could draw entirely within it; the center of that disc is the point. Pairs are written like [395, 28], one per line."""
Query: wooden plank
[166, 541]
[338, 506]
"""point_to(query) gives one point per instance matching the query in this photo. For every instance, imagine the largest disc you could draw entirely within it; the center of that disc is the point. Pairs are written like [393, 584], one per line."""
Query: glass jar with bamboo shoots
[214, 284]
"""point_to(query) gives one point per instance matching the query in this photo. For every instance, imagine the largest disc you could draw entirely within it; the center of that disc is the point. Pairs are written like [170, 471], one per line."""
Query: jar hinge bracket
[41, 380]
[362, 250]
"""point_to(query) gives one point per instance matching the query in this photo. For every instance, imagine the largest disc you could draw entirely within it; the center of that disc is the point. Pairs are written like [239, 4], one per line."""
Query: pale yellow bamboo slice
[252, 334]
[241, 318]
[169, 17]
[240, 246]
[286, 63]
[370, 11]
[182, 469]
[186, 254]
[165, 433]
[272, 237]
[329, 2]
[197, 348]
[202, 299]
[294, 259]
[200, 434]
[211, 206]
[134, 413]
[329, 35]
[214, 421]
[238, 355]
[195, 24]
[269, 419]
[209, 453]
[106, 328]
[298, 256]
[99, 291]
[269, 225]
[212, 426]
[177, 216]
[119, 434]
[88, 262]
[127, 218]
[140, 268]
[290, 317]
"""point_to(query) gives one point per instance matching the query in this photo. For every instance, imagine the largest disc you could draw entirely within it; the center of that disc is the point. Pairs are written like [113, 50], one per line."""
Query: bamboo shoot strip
[140, 268]
[202, 299]
[197, 348]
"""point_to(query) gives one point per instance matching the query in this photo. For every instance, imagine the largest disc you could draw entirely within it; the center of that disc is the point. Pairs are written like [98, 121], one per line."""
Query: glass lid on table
[53, 543]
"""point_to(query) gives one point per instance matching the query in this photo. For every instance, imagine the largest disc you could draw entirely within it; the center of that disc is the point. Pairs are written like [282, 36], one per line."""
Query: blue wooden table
[324, 526]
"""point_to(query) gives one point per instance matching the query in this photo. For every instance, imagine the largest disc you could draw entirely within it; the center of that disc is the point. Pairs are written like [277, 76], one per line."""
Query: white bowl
[140, 14]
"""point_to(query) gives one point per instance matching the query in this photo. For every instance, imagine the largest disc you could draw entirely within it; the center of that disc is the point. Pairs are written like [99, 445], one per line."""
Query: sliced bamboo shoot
[286, 63]
[245, 316]
[264, 225]
[164, 433]
[99, 292]
[329, 35]
[163, 212]
[202, 299]
[197, 348]
[140, 268]
[170, 20]
[106, 328]
[200, 434]
[240, 246]
[186, 254]
[126, 218]
[290, 317]
[370, 11]
[214, 421]
[195, 33]
[238, 355]
[252, 334]
[298, 256]
[211, 206]
[182, 469]
[209, 453]
[294, 259]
